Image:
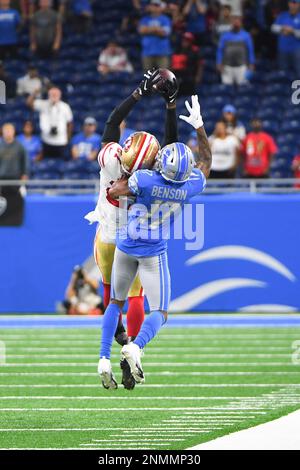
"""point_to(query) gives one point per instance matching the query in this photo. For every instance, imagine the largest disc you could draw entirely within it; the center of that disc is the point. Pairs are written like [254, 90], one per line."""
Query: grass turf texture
[201, 383]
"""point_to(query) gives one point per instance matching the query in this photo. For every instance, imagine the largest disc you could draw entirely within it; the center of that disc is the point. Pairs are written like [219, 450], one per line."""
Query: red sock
[106, 294]
[135, 315]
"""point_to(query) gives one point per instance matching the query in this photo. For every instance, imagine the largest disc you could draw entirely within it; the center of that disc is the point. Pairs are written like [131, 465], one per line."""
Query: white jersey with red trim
[107, 212]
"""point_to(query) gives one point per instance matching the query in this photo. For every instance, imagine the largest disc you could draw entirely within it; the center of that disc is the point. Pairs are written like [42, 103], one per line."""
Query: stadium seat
[291, 126]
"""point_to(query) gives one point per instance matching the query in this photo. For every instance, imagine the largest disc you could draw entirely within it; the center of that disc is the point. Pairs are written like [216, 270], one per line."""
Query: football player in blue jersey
[142, 243]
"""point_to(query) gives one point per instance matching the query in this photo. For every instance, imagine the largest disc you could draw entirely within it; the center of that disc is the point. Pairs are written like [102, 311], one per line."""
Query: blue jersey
[86, 144]
[32, 145]
[158, 202]
[289, 42]
[152, 44]
[9, 21]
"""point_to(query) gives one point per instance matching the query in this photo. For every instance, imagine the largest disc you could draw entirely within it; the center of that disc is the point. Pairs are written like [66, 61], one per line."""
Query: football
[167, 81]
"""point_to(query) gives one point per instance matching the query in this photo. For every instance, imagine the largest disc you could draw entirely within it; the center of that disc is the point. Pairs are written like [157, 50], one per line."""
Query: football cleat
[132, 353]
[106, 375]
[127, 377]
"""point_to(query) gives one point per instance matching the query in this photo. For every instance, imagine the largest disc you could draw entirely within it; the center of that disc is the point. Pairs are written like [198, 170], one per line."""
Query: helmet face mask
[176, 162]
[139, 152]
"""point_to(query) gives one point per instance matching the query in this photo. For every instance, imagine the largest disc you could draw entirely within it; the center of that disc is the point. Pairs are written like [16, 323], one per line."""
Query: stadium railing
[214, 186]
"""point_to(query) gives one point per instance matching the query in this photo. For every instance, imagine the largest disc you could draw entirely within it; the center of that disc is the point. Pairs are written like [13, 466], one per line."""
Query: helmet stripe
[143, 152]
[138, 152]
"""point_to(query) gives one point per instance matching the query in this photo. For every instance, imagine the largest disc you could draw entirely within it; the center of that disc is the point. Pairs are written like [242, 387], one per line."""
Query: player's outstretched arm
[112, 127]
[204, 159]
[170, 94]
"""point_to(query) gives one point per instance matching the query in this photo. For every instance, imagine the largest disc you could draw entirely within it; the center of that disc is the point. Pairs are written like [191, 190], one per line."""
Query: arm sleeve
[220, 50]
[277, 25]
[112, 130]
[171, 132]
[69, 114]
[24, 162]
[250, 49]
[38, 105]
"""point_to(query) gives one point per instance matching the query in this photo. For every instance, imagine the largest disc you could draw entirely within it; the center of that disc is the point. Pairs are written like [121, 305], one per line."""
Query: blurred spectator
[131, 17]
[223, 24]
[235, 54]
[31, 142]
[114, 59]
[57, 5]
[258, 149]
[194, 12]
[287, 26]
[236, 6]
[187, 64]
[87, 143]
[10, 83]
[225, 150]
[155, 29]
[13, 157]
[82, 297]
[56, 123]
[296, 169]
[174, 10]
[125, 132]
[233, 125]
[45, 30]
[31, 82]
[10, 20]
[82, 15]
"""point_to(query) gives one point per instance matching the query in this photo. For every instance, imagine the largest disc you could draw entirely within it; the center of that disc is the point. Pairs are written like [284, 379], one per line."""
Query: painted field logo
[296, 353]
[3, 205]
[2, 353]
[2, 92]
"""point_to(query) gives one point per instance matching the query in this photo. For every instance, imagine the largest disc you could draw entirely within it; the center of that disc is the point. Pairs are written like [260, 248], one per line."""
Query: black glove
[169, 90]
[150, 78]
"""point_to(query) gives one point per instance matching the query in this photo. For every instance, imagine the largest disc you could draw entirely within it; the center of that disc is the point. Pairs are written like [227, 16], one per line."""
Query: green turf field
[200, 383]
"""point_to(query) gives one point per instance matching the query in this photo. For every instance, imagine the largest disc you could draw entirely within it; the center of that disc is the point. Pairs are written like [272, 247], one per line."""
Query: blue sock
[150, 328]
[109, 326]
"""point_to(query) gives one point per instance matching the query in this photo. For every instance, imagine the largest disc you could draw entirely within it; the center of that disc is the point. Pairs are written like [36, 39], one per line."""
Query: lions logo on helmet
[176, 162]
[139, 152]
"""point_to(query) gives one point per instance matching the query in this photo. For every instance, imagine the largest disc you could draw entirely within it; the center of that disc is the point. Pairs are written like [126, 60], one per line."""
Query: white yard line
[204, 409]
[177, 349]
[162, 373]
[149, 355]
[202, 385]
[280, 434]
[66, 397]
[152, 364]
[154, 430]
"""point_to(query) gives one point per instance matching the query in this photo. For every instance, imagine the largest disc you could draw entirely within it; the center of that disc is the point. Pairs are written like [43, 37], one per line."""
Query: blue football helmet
[176, 162]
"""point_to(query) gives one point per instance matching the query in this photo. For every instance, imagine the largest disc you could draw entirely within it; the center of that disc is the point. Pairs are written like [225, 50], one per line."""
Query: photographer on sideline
[56, 122]
[82, 297]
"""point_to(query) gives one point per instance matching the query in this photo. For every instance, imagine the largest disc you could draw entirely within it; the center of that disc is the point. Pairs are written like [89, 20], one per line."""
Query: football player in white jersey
[116, 162]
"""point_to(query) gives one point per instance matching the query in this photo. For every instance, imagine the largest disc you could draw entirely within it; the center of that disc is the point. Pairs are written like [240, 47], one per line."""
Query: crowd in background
[172, 34]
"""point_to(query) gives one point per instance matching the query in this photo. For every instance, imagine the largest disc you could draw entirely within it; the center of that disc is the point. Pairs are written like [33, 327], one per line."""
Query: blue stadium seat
[76, 175]
[45, 175]
[74, 166]
[292, 126]
[271, 126]
[278, 89]
[47, 166]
